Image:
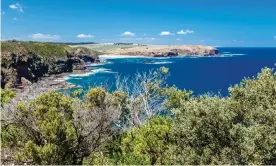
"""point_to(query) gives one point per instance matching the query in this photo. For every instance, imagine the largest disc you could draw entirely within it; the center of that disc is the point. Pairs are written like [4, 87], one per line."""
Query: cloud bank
[127, 33]
[185, 32]
[44, 36]
[165, 33]
[84, 36]
[17, 6]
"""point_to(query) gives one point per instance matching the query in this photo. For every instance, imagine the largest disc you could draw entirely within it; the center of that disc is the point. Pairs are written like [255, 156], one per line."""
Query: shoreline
[58, 81]
[45, 85]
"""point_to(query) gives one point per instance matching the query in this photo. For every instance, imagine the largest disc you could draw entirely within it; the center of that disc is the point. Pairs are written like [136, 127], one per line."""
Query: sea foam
[159, 63]
[230, 55]
[98, 64]
[120, 56]
[94, 71]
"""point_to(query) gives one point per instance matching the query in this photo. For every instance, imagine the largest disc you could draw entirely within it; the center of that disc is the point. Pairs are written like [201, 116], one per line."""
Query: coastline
[165, 51]
[45, 85]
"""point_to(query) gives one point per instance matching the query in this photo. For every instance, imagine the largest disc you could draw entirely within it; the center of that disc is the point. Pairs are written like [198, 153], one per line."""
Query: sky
[206, 22]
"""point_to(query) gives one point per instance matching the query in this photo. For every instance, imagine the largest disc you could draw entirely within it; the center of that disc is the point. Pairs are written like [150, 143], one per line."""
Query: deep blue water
[200, 74]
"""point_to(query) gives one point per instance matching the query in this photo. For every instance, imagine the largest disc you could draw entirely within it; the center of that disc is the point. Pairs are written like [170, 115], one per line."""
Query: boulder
[25, 82]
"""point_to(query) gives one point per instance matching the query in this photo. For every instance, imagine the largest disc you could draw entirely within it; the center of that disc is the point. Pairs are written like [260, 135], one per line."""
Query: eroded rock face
[22, 60]
[16, 66]
[85, 55]
[31, 67]
[78, 64]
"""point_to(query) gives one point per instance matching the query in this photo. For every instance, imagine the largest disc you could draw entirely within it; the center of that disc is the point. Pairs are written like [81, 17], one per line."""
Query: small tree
[144, 92]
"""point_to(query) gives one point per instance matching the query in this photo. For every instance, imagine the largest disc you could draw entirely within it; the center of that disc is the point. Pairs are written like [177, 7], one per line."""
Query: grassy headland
[102, 47]
[33, 60]
[42, 49]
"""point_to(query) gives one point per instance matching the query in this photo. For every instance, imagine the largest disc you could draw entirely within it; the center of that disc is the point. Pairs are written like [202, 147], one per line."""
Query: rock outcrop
[166, 51]
[20, 61]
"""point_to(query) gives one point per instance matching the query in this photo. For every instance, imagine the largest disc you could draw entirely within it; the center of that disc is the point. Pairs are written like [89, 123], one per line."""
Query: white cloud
[127, 33]
[84, 36]
[17, 6]
[185, 32]
[44, 36]
[165, 33]
[178, 39]
[14, 18]
[13, 6]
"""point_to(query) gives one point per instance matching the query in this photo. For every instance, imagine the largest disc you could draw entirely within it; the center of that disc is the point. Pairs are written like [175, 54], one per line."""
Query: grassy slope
[43, 49]
[102, 48]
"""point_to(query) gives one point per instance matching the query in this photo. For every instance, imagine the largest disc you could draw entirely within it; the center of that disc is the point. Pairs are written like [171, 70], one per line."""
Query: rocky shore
[166, 51]
[24, 63]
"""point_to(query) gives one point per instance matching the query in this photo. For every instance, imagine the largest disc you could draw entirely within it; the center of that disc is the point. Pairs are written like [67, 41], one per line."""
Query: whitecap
[72, 77]
[159, 63]
[98, 64]
[120, 56]
[215, 56]
[230, 55]
[94, 71]
[233, 54]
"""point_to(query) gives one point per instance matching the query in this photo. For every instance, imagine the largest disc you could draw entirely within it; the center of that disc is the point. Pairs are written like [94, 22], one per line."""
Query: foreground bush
[56, 129]
[240, 129]
[125, 128]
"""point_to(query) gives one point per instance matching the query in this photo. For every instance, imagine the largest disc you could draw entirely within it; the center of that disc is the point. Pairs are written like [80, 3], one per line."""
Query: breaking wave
[159, 63]
[94, 71]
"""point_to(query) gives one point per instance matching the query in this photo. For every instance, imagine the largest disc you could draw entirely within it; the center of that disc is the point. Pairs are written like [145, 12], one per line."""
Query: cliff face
[33, 60]
[164, 51]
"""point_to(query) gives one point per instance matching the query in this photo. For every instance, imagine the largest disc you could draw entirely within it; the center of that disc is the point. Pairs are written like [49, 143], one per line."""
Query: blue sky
[208, 22]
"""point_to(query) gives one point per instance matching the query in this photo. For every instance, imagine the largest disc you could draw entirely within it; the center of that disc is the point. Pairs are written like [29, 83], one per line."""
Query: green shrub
[239, 129]
[6, 95]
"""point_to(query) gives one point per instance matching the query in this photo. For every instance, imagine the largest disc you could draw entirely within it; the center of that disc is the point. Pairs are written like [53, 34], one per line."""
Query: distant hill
[65, 43]
[42, 48]
[74, 43]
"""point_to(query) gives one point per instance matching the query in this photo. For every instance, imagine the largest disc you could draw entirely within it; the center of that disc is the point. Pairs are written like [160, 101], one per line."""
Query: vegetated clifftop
[164, 51]
[23, 62]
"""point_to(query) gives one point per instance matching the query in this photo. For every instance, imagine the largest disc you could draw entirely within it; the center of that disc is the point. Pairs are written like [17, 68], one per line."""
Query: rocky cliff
[29, 61]
[164, 51]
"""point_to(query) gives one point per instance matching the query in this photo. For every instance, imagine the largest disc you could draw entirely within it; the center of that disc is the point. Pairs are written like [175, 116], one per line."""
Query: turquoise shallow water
[200, 74]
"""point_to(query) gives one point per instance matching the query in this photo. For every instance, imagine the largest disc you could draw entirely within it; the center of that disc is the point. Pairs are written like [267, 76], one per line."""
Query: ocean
[200, 74]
